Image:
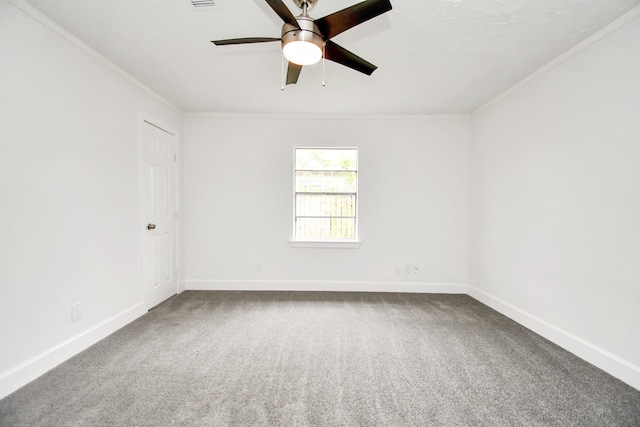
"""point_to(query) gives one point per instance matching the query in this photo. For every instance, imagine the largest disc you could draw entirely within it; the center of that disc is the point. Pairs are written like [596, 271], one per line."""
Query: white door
[159, 242]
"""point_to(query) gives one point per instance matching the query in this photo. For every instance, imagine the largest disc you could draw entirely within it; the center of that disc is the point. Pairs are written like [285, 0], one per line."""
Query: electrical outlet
[407, 269]
[416, 269]
[76, 313]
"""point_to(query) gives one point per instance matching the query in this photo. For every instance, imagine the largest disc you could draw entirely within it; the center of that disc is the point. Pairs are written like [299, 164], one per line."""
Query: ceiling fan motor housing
[308, 32]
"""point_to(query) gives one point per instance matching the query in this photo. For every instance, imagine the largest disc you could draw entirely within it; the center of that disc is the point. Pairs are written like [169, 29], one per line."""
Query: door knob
[151, 226]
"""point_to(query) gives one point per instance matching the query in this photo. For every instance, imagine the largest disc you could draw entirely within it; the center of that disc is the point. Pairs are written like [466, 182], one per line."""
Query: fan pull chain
[282, 87]
[324, 50]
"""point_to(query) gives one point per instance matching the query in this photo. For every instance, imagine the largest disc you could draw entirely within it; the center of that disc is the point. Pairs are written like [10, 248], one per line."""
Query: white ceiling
[434, 56]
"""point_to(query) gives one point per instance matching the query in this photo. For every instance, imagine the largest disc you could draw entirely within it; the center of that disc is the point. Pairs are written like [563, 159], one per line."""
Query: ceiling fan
[306, 40]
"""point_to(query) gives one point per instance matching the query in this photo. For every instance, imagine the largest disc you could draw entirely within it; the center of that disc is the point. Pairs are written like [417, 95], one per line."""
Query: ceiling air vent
[203, 4]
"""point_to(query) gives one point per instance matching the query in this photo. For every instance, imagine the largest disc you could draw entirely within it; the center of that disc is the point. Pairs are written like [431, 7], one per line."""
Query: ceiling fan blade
[244, 40]
[293, 72]
[334, 24]
[283, 12]
[336, 53]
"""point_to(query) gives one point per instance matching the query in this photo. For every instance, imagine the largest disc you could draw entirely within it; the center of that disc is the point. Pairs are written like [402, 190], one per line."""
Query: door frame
[143, 120]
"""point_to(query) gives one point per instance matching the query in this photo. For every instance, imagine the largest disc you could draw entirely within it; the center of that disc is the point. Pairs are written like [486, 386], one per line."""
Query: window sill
[329, 244]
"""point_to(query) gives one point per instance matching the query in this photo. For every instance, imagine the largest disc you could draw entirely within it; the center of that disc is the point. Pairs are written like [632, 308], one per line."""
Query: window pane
[326, 182]
[327, 159]
[326, 205]
[325, 228]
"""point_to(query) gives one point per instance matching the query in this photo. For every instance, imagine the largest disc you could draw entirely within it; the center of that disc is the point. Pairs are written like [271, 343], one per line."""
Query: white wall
[555, 203]
[69, 196]
[413, 201]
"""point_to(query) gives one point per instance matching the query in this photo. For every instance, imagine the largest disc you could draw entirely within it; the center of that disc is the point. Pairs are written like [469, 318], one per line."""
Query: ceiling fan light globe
[302, 52]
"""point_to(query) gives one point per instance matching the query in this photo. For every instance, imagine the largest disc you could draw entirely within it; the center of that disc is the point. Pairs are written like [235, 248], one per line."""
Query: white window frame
[326, 243]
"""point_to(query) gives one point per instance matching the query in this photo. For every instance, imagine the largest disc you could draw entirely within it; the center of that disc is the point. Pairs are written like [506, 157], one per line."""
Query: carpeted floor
[323, 359]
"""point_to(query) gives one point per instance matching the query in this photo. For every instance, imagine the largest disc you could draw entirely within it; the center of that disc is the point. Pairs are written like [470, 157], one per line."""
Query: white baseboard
[28, 371]
[324, 286]
[31, 369]
[181, 286]
[608, 362]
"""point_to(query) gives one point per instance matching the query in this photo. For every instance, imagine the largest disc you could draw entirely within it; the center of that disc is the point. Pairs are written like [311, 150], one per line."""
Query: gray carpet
[291, 358]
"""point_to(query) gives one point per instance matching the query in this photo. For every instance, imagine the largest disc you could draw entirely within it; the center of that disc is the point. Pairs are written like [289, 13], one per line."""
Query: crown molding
[205, 115]
[38, 16]
[586, 43]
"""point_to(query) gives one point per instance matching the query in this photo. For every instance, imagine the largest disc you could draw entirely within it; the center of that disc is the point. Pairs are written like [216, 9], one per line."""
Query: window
[326, 194]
